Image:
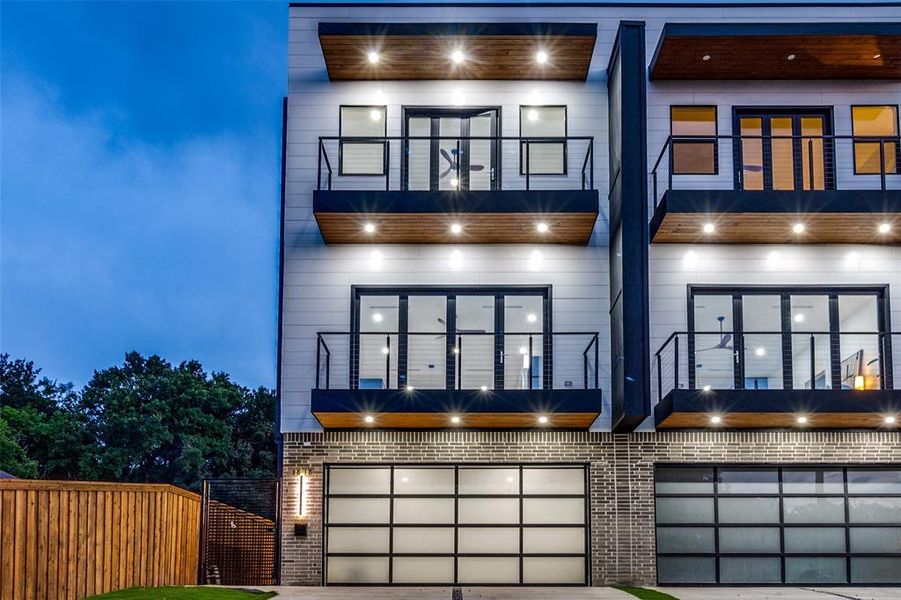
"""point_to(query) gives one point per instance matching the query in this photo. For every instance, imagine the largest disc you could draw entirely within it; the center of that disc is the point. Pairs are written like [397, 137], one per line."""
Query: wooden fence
[72, 539]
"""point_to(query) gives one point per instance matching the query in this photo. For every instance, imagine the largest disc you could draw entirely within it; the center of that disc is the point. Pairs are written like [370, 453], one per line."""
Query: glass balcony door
[784, 150]
[450, 159]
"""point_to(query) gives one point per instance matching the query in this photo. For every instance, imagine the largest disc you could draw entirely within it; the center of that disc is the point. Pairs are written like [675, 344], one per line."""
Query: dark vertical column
[627, 110]
[281, 293]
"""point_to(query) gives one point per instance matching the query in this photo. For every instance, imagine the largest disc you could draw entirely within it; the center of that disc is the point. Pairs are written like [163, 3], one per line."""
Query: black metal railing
[460, 361]
[423, 163]
[767, 162]
[728, 360]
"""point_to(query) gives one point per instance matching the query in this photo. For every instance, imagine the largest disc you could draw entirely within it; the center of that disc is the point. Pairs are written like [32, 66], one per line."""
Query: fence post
[527, 167]
[659, 380]
[530, 362]
[676, 363]
[459, 362]
[810, 164]
[318, 354]
[813, 363]
[388, 363]
[882, 163]
[597, 363]
[387, 164]
[319, 168]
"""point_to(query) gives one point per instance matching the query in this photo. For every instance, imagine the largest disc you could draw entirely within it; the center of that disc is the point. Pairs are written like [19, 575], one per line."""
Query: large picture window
[363, 157]
[793, 524]
[788, 338]
[872, 157]
[694, 146]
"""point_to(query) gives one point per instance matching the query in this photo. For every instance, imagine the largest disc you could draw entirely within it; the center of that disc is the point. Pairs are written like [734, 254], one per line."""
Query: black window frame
[856, 141]
[832, 292]
[846, 524]
[698, 139]
[552, 140]
[499, 292]
[342, 142]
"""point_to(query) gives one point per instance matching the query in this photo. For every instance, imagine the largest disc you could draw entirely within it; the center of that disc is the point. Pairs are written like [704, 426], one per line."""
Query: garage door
[447, 524]
[790, 525]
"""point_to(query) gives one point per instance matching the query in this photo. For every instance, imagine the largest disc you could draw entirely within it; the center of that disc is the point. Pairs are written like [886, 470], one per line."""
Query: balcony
[776, 189]
[767, 380]
[452, 189]
[471, 380]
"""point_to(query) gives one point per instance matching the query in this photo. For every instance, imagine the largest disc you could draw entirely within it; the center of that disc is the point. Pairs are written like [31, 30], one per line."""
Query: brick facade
[621, 494]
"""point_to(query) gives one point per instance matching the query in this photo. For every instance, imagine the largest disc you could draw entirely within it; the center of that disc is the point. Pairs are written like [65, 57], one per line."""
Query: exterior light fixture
[369, 228]
[457, 56]
[369, 419]
[456, 228]
[542, 419]
[455, 420]
[541, 57]
[890, 420]
[531, 317]
[859, 382]
[706, 388]
[798, 228]
[709, 228]
[706, 57]
[791, 57]
[456, 351]
[484, 388]
[386, 350]
[884, 228]
[373, 57]
[523, 350]
[716, 419]
[542, 227]
[760, 351]
[301, 494]
[875, 56]
[375, 115]
[454, 183]
[799, 318]
[410, 388]
[802, 420]
[377, 317]
[532, 115]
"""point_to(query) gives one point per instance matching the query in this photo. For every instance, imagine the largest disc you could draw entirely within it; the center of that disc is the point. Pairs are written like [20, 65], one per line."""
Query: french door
[784, 150]
[467, 338]
[450, 159]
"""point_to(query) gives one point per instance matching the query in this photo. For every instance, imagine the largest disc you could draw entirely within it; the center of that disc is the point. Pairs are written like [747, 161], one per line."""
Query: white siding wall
[318, 277]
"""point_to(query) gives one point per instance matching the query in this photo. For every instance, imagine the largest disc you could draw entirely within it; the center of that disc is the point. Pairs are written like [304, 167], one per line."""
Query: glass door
[524, 344]
[785, 150]
[450, 159]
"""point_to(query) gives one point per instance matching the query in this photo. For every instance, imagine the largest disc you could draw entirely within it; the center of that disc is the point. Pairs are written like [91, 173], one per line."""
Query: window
[875, 121]
[363, 157]
[696, 155]
[543, 157]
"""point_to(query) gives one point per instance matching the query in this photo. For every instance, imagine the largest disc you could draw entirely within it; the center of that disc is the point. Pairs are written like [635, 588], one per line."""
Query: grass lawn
[646, 594]
[184, 593]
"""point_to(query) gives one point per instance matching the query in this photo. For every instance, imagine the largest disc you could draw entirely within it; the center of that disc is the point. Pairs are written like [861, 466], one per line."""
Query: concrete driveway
[594, 593]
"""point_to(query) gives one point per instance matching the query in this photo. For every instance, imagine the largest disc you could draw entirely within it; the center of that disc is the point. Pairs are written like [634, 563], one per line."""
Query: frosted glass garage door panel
[685, 510]
[368, 540]
[500, 481]
[874, 510]
[423, 540]
[873, 569]
[488, 510]
[357, 569]
[553, 570]
[876, 539]
[423, 481]
[553, 540]
[358, 510]
[553, 481]
[489, 540]
[419, 569]
[359, 481]
[487, 570]
[424, 510]
[569, 511]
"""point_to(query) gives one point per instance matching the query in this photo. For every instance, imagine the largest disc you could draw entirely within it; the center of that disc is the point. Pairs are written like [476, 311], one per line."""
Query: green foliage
[185, 593]
[645, 594]
[143, 421]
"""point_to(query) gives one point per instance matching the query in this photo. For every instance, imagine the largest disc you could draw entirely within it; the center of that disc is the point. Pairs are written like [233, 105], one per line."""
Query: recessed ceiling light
[709, 228]
[791, 57]
[798, 228]
[410, 388]
[386, 350]
[706, 388]
[531, 317]
[760, 351]
[369, 419]
[799, 318]
[890, 420]
[541, 57]
[716, 419]
[377, 317]
[542, 227]
[875, 56]
[457, 56]
[542, 419]
[884, 228]
[455, 420]
[456, 228]
[532, 114]
[373, 57]
[705, 57]
[802, 420]
[369, 228]
[484, 388]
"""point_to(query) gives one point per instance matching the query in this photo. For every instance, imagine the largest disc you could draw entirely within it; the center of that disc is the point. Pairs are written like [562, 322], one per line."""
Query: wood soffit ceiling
[749, 51]
[422, 51]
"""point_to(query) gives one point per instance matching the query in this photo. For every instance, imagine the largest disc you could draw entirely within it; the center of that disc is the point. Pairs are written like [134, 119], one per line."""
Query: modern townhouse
[591, 293]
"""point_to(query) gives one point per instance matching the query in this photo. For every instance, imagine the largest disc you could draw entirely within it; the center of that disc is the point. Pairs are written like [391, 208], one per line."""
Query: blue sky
[139, 181]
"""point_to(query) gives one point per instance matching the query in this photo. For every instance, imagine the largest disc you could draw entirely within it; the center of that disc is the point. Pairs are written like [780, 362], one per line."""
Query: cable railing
[775, 162]
[455, 163]
[768, 360]
[482, 361]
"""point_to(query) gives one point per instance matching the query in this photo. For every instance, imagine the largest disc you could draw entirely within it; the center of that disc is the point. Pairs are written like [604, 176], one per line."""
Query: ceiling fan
[452, 163]
[723, 344]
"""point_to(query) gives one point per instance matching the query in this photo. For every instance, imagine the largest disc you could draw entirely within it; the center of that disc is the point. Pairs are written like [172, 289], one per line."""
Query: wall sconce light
[302, 493]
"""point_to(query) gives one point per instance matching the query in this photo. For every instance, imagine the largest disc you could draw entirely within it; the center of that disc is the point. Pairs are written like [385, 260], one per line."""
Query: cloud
[111, 243]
